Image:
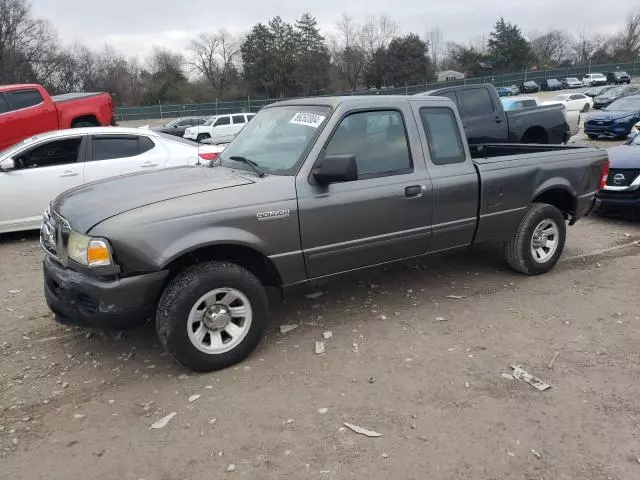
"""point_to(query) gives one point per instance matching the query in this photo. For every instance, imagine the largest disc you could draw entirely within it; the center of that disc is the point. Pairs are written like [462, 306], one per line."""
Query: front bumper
[626, 200]
[112, 303]
[610, 131]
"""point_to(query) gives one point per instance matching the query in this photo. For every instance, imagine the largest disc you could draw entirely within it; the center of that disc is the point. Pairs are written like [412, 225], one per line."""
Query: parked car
[615, 120]
[595, 91]
[613, 94]
[514, 90]
[571, 82]
[622, 192]
[297, 197]
[485, 121]
[550, 84]
[529, 87]
[593, 80]
[572, 117]
[572, 101]
[178, 126]
[503, 91]
[37, 169]
[220, 128]
[618, 78]
[27, 110]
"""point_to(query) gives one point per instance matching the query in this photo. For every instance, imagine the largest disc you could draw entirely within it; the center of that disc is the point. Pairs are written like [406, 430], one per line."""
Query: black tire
[83, 124]
[518, 252]
[585, 108]
[183, 292]
[592, 137]
[202, 136]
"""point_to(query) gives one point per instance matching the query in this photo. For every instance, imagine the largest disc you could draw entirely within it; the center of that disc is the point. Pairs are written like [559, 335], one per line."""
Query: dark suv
[618, 78]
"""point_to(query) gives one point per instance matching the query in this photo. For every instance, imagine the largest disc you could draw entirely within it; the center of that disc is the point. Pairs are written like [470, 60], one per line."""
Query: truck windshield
[276, 138]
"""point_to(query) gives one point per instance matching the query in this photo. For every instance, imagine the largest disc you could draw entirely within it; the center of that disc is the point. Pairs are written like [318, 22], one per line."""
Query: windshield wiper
[254, 166]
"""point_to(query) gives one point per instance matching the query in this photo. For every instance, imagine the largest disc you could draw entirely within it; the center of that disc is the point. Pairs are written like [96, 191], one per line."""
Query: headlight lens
[91, 252]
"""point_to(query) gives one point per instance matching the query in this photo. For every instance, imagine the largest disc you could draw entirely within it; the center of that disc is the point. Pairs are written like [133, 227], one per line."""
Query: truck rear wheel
[538, 241]
[212, 316]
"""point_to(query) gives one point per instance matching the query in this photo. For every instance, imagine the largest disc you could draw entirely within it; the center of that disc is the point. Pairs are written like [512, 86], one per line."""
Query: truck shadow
[389, 288]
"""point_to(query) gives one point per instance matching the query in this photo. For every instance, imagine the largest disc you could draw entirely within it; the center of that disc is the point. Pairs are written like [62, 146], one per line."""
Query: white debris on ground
[327, 335]
[287, 328]
[535, 382]
[314, 295]
[193, 398]
[320, 348]
[361, 431]
[163, 421]
[323, 410]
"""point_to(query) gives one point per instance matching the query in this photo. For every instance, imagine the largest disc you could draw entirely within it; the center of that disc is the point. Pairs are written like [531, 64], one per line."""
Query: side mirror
[7, 165]
[336, 168]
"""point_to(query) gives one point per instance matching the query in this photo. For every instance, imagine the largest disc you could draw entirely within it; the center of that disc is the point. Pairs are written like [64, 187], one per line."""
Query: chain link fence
[255, 104]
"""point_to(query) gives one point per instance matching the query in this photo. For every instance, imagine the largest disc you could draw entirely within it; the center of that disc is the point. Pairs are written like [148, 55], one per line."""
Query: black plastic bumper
[111, 303]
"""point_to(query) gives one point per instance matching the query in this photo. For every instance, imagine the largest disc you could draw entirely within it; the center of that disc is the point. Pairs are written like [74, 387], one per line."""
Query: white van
[219, 128]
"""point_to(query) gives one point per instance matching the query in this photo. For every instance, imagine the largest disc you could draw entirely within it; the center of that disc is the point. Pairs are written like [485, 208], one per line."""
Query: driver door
[41, 173]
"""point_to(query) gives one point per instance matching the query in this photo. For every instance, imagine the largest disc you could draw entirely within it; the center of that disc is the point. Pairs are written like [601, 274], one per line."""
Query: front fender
[215, 235]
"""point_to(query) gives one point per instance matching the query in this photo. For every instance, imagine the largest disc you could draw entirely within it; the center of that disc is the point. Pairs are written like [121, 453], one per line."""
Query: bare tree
[550, 47]
[435, 41]
[377, 32]
[214, 57]
[28, 46]
[347, 50]
[627, 44]
[585, 44]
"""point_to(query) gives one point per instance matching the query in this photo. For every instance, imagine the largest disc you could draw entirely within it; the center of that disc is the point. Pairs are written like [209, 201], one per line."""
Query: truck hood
[611, 115]
[624, 156]
[86, 206]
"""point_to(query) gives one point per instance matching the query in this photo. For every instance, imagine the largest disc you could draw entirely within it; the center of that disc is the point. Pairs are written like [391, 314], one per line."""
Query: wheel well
[535, 135]
[559, 198]
[245, 257]
[86, 118]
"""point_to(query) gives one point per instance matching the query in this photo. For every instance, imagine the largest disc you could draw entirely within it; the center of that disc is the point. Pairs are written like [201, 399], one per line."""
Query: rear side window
[441, 129]
[24, 99]
[222, 121]
[145, 144]
[4, 106]
[529, 103]
[238, 119]
[110, 147]
[476, 101]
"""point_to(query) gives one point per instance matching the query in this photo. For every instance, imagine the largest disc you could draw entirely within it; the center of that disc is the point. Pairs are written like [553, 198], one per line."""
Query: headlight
[91, 252]
[623, 119]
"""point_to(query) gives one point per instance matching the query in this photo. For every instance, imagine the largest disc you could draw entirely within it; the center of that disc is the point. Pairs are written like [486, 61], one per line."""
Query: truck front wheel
[212, 316]
[538, 241]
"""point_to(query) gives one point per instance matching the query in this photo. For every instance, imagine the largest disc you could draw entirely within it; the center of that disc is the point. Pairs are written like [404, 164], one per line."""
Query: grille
[621, 177]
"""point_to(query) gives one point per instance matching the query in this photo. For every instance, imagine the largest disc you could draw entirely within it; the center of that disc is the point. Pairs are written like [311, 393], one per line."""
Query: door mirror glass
[7, 165]
[336, 168]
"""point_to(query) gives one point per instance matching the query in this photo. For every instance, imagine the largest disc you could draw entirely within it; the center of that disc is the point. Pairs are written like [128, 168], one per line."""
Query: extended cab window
[58, 152]
[443, 135]
[24, 98]
[222, 121]
[4, 106]
[476, 101]
[377, 139]
[110, 147]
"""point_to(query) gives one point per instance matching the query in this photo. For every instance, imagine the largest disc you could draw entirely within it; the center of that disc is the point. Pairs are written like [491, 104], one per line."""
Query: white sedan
[34, 171]
[572, 102]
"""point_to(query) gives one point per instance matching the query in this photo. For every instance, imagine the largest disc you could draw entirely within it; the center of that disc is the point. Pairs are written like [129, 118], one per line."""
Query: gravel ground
[429, 373]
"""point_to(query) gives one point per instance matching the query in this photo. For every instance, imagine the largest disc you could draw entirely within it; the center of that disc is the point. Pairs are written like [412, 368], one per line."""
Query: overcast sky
[134, 26]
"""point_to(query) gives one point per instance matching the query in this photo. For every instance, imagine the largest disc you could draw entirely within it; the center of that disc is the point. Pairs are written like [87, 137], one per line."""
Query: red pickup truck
[28, 109]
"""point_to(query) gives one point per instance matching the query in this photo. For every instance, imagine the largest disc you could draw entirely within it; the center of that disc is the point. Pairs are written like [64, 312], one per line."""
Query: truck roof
[360, 101]
[18, 86]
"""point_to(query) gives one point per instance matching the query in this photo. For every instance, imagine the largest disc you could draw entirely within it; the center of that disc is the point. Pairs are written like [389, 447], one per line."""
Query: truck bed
[487, 152]
[66, 97]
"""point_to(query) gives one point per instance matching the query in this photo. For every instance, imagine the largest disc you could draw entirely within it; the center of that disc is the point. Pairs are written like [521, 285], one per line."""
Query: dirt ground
[429, 373]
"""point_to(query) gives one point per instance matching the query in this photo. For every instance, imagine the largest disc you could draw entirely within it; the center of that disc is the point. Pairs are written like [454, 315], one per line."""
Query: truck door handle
[69, 174]
[413, 191]
[148, 165]
[498, 119]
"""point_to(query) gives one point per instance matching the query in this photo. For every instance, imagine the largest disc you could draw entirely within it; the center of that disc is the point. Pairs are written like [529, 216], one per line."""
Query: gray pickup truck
[309, 189]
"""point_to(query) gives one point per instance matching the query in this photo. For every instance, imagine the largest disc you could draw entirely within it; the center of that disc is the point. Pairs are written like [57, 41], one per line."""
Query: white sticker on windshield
[308, 119]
